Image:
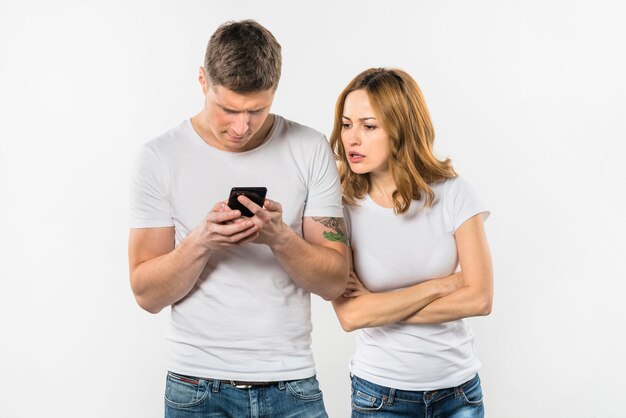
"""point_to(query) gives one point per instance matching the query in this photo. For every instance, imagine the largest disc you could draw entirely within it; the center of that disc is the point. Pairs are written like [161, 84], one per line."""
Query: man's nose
[240, 124]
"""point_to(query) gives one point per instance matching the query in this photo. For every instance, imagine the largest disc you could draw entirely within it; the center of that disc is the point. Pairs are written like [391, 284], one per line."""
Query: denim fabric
[187, 397]
[463, 401]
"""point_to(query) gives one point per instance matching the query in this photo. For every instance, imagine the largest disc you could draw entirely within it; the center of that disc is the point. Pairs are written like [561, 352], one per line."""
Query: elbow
[347, 325]
[484, 306]
[147, 306]
[332, 294]
[144, 302]
[349, 322]
[335, 291]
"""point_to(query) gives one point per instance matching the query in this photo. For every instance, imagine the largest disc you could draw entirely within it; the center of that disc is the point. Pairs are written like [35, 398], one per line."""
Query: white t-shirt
[392, 252]
[245, 319]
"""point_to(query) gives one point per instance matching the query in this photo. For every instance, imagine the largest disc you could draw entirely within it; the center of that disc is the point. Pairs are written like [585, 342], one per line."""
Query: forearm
[463, 303]
[315, 268]
[164, 280]
[378, 309]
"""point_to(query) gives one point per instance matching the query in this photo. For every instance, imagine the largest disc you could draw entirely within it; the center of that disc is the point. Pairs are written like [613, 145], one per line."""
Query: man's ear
[202, 79]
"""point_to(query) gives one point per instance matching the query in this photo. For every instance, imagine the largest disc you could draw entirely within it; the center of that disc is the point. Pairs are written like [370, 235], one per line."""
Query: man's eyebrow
[228, 109]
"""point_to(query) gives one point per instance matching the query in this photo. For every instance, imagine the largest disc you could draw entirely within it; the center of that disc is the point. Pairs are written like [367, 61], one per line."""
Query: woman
[412, 221]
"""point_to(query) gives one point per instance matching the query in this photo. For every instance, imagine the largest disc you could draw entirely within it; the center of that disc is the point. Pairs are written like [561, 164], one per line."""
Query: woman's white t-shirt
[396, 251]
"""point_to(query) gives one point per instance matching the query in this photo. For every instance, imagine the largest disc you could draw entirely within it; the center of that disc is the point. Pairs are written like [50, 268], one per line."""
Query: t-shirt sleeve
[149, 203]
[324, 195]
[462, 202]
[347, 219]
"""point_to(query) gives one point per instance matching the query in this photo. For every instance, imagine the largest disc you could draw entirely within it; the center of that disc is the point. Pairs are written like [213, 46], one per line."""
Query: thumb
[271, 205]
[221, 207]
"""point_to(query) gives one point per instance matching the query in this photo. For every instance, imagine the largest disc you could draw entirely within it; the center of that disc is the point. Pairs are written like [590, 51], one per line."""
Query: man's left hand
[269, 219]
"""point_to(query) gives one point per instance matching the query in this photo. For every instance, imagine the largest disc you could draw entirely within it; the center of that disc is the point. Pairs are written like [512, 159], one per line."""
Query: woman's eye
[370, 127]
[345, 125]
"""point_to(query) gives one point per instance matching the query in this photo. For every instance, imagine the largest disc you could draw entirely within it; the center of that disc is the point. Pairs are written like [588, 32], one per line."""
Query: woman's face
[364, 140]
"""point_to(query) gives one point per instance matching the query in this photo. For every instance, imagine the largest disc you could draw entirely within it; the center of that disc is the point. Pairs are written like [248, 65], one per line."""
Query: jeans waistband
[239, 384]
[246, 385]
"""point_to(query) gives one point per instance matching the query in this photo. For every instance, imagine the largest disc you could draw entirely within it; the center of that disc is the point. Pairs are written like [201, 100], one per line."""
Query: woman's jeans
[187, 397]
[371, 400]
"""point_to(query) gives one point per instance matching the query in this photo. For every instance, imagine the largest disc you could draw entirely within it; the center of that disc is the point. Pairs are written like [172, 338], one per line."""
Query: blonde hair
[399, 105]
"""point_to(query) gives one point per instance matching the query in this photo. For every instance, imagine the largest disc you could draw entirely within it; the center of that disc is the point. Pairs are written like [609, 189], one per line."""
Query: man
[239, 287]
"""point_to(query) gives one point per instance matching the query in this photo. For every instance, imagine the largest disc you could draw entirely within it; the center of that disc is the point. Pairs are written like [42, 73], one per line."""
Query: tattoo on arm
[338, 227]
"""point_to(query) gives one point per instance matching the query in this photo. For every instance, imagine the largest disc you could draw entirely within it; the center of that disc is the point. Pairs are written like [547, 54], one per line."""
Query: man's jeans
[188, 397]
[371, 400]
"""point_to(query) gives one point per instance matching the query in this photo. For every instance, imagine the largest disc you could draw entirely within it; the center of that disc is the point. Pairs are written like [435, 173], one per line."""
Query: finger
[245, 236]
[241, 219]
[218, 217]
[353, 280]
[351, 286]
[254, 208]
[273, 206]
[248, 239]
[221, 207]
[233, 230]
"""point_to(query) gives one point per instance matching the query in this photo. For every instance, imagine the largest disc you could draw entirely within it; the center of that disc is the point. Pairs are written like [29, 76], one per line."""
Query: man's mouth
[236, 137]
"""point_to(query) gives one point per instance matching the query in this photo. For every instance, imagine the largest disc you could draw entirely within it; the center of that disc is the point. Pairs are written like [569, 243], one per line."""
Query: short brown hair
[400, 106]
[243, 57]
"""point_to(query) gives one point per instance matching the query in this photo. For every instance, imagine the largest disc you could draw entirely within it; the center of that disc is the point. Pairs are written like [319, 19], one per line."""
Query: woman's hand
[355, 287]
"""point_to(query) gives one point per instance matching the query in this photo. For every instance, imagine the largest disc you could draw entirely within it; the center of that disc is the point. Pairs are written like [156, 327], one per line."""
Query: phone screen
[256, 194]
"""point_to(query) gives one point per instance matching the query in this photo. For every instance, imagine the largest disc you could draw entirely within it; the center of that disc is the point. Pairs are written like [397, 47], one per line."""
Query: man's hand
[268, 219]
[223, 228]
[313, 261]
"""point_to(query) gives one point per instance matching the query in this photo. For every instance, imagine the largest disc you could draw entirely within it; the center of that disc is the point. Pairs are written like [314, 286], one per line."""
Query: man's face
[233, 119]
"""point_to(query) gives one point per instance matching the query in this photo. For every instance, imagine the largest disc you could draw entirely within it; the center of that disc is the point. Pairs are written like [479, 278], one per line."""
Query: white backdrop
[528, 99]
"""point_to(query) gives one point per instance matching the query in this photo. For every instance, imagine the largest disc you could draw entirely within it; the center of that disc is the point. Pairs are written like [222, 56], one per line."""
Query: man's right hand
[223, 228]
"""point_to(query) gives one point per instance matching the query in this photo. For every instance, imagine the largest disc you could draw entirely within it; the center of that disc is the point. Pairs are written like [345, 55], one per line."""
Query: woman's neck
[382, 188]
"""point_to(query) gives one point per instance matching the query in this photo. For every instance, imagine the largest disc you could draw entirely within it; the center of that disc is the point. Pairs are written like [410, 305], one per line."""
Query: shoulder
[168, 148]
[297, 132]
[461, 201]
[451, 187]
[168, 140]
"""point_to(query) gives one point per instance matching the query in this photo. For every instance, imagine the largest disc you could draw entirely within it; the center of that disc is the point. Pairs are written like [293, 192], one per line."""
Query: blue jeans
[463, 401]
[187, 397]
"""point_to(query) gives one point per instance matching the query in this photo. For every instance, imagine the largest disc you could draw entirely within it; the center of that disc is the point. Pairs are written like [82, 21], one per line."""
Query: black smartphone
[256, 194]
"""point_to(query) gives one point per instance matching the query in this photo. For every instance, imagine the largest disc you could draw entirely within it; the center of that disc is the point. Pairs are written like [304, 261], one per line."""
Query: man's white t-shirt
[245, 319]
[392, 252]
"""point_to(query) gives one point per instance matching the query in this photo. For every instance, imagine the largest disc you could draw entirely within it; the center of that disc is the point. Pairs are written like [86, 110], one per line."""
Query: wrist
[283, 239]
[192, 244]
[451, 284]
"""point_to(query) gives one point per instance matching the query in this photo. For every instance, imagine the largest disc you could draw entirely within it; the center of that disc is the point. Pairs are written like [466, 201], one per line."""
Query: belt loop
[281, 385]
[457, 392]
[215, 386]
[392, 396]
